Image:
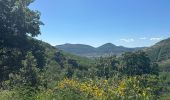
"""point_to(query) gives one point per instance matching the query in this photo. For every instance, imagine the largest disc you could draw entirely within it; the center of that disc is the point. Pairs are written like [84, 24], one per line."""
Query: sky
[130, 23]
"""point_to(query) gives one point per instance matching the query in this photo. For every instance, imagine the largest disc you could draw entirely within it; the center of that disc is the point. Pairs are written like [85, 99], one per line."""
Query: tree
[17, 21]
[27, 81]
[29, 73]
[137, 63]
[9, 62]
[106, 66]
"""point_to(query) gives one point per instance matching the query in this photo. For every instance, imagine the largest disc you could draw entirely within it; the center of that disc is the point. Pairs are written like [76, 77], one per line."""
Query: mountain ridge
[106, 49]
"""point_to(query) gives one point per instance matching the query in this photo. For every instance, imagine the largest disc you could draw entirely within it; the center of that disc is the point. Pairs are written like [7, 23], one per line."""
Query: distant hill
[89, 51]
[160, 52]
[77, 49]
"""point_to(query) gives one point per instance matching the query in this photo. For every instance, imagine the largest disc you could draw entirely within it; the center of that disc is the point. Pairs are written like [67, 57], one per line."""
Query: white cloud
[127, 40]
[155, 39]
[143, 38]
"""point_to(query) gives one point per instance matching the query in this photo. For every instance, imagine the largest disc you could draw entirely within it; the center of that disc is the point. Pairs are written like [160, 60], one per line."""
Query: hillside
[77, 49]
[89, 51]
[59, 63]
[31, 69]
[160, 52]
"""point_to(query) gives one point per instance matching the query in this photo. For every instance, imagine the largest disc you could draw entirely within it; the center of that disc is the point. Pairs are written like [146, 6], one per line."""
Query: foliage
[8, 95]
[106, 67]
[9, 61]
[17, 19]
[165, 83]
[29, 72]
[137, 63]
[126, 89]
[160, 51]
[33, 70]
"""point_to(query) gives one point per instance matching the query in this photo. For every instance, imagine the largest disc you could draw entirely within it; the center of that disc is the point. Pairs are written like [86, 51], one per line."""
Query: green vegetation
[160, 53]
[33, 70]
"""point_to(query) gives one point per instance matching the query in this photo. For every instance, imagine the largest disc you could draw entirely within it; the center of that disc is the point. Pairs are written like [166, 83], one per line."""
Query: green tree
[30, 73]
[137, 63]
[9, 57]
[106, 66]
[17, 21]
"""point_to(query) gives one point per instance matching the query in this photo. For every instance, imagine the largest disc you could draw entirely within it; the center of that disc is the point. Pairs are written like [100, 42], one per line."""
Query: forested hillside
[31, 69]
[160, 53]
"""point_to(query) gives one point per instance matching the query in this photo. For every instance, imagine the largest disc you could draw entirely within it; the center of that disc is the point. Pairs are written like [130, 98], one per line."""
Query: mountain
[77, 49]
[113, 49]
[160, 52]
[89, 51]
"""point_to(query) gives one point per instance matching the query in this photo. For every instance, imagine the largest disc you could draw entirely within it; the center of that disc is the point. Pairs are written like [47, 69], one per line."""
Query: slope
[160, 52]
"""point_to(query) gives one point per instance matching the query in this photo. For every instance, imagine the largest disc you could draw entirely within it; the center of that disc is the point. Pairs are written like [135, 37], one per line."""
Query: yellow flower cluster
[121, 89]
[128, 87]
[84, 87]
[67, 83]
[105, 82]
[131, 86]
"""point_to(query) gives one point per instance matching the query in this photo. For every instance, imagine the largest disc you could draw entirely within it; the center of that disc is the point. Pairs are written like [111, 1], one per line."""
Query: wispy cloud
[127, 40]
[156, 39]
[143, 38]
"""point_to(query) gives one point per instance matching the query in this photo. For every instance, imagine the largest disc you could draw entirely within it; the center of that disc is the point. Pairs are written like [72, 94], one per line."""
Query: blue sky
[131, 23]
